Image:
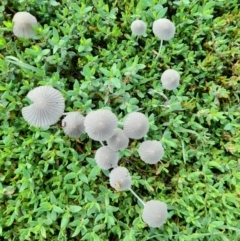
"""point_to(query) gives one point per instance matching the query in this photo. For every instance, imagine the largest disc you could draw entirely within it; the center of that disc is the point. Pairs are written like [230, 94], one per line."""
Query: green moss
[50, 186]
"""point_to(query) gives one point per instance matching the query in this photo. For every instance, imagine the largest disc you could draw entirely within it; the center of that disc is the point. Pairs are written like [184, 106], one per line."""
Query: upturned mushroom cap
[73, 124]
[118, 140]
[120, 179]
[100, 124]
[151, 152]
[47, 107]
[138, 27]
[170, 79]
[106, 158]
[23, 24]
[136, 125]
[154, 213]
[164, 29]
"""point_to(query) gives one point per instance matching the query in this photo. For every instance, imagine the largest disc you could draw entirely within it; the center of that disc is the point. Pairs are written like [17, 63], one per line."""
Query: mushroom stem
[138, 198]
[162, 94]
[161, 43]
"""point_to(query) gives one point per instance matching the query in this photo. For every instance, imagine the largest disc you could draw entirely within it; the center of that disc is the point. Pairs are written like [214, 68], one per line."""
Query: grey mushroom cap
[151, 152]
[73, 124]
[170, 79]
[154, 213]
[164, 29]
[136, 125]
[138, 27]
[106, 158]
[100, 124]
[47, 107]
[118, 140]
[23, 23]
[120, 179]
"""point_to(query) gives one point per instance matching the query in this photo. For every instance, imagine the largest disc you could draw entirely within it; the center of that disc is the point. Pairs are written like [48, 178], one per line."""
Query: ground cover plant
[50, 185]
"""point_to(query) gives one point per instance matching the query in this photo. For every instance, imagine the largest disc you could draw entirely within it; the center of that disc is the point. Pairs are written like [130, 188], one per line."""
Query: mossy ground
[50, 186]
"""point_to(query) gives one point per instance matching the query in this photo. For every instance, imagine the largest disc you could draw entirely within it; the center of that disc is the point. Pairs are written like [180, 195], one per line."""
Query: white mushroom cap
[22, 24]
[154, 213]
[151, 152]
[164, 28]
[170, 79]
[47, 107]
[73, 124]
[138, 27]
[106, 158]
[100, 124]
[118, 140]
[136, 125]
[120, 179]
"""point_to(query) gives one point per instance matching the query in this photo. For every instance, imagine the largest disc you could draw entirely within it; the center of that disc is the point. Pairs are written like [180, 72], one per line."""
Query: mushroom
[138, 27]
[100, 124]
[106, 158]
[118, 140]
[73, 124]
[23, 23]
[136, 125]
[47, 107]
[170, 79]
[154, 213]
[151, 152]
[120, 179]
[164, 29]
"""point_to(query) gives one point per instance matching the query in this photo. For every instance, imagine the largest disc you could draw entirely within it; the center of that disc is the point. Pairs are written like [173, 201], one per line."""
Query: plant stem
[161, 43]
[138, 198]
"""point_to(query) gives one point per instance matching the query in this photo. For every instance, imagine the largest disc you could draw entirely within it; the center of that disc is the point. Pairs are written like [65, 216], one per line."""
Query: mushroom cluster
[102, 125]
[163, 28]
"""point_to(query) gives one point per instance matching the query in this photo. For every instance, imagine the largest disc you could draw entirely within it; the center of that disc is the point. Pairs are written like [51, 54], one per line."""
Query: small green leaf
[77, 231]
[94, 172]
[105, 72]
[70, 175]
[216, 165]
[74, 208]
[43, 232]
[83, 178]
[46, 206]
[99, 217]
[65, 220]
[2, 43]
[76, 7]
[116, 82]
[57, 209]
[2, 88]
[16, 61]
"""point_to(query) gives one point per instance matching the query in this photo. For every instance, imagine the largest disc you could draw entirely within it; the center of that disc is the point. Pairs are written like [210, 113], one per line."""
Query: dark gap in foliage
[167, 180]
[79, 147]
[216, 172]
[74, 70]
[229, 186]
[172, 9]
[9, 10]
[113, 237]
[220, 10]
